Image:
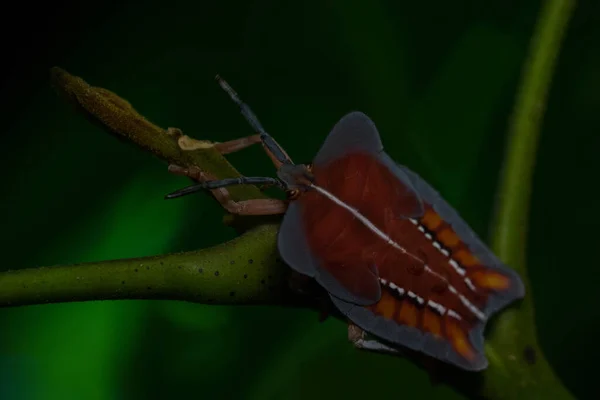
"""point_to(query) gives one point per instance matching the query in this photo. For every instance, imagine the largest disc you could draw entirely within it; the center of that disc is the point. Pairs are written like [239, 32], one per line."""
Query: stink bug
[395, 258]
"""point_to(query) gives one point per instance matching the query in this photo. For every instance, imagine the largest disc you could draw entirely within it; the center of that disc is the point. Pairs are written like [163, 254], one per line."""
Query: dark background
[439, 79]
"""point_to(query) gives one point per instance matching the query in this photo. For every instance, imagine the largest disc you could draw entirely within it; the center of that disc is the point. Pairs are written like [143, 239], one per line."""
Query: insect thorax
[297, 177]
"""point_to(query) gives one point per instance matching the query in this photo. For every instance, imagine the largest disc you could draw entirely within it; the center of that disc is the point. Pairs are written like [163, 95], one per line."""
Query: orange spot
[465, 258]
[408, 314]
[431, 220]
[432, 322]
[459, 340]
[448, 237]
[386, 305]
[491, 280]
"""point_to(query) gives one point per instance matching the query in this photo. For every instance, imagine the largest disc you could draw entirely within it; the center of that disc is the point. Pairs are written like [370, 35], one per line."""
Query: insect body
[395, 258]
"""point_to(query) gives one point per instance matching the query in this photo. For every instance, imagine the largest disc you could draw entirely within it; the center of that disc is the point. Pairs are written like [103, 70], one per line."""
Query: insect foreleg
[234, 145]
[221, 194]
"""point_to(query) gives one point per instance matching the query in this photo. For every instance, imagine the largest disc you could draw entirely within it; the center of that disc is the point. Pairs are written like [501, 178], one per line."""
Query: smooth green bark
[245, 270]
[521, 371]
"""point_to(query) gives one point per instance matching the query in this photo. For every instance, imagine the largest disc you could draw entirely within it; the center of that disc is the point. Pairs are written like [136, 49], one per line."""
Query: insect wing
[503, 291]
[354, 283]
[355, 132]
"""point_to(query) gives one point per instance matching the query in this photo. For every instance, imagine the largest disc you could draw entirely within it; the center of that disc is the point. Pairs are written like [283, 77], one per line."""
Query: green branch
[116, 116]
[521, 370]
[246, 270]
[222, 274]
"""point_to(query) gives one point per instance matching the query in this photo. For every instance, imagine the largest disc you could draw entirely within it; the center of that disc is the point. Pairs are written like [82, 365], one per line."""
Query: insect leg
[221, 194]
[360, 340]
[232, 146]
[256, 207]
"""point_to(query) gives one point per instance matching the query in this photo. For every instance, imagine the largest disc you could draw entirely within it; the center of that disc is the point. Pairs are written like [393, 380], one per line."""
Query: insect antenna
[245, 109]
[243, 180]
[270, 144]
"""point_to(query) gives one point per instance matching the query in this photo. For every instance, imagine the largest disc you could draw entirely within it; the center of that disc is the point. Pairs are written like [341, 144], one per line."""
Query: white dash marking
[437, 306]
[457, 268]
[471, 307]
[470, 284]
[461, 271]
[392, 286]
[454, 315]
[414, 221]
[413, 295]
[477, 312]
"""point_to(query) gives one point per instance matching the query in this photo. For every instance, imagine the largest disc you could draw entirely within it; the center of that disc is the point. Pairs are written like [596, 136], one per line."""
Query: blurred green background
[438, 78]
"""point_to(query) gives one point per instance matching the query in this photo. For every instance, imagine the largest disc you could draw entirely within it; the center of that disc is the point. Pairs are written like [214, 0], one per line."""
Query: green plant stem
[117, 117]
[221, 274]
[521, 370]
